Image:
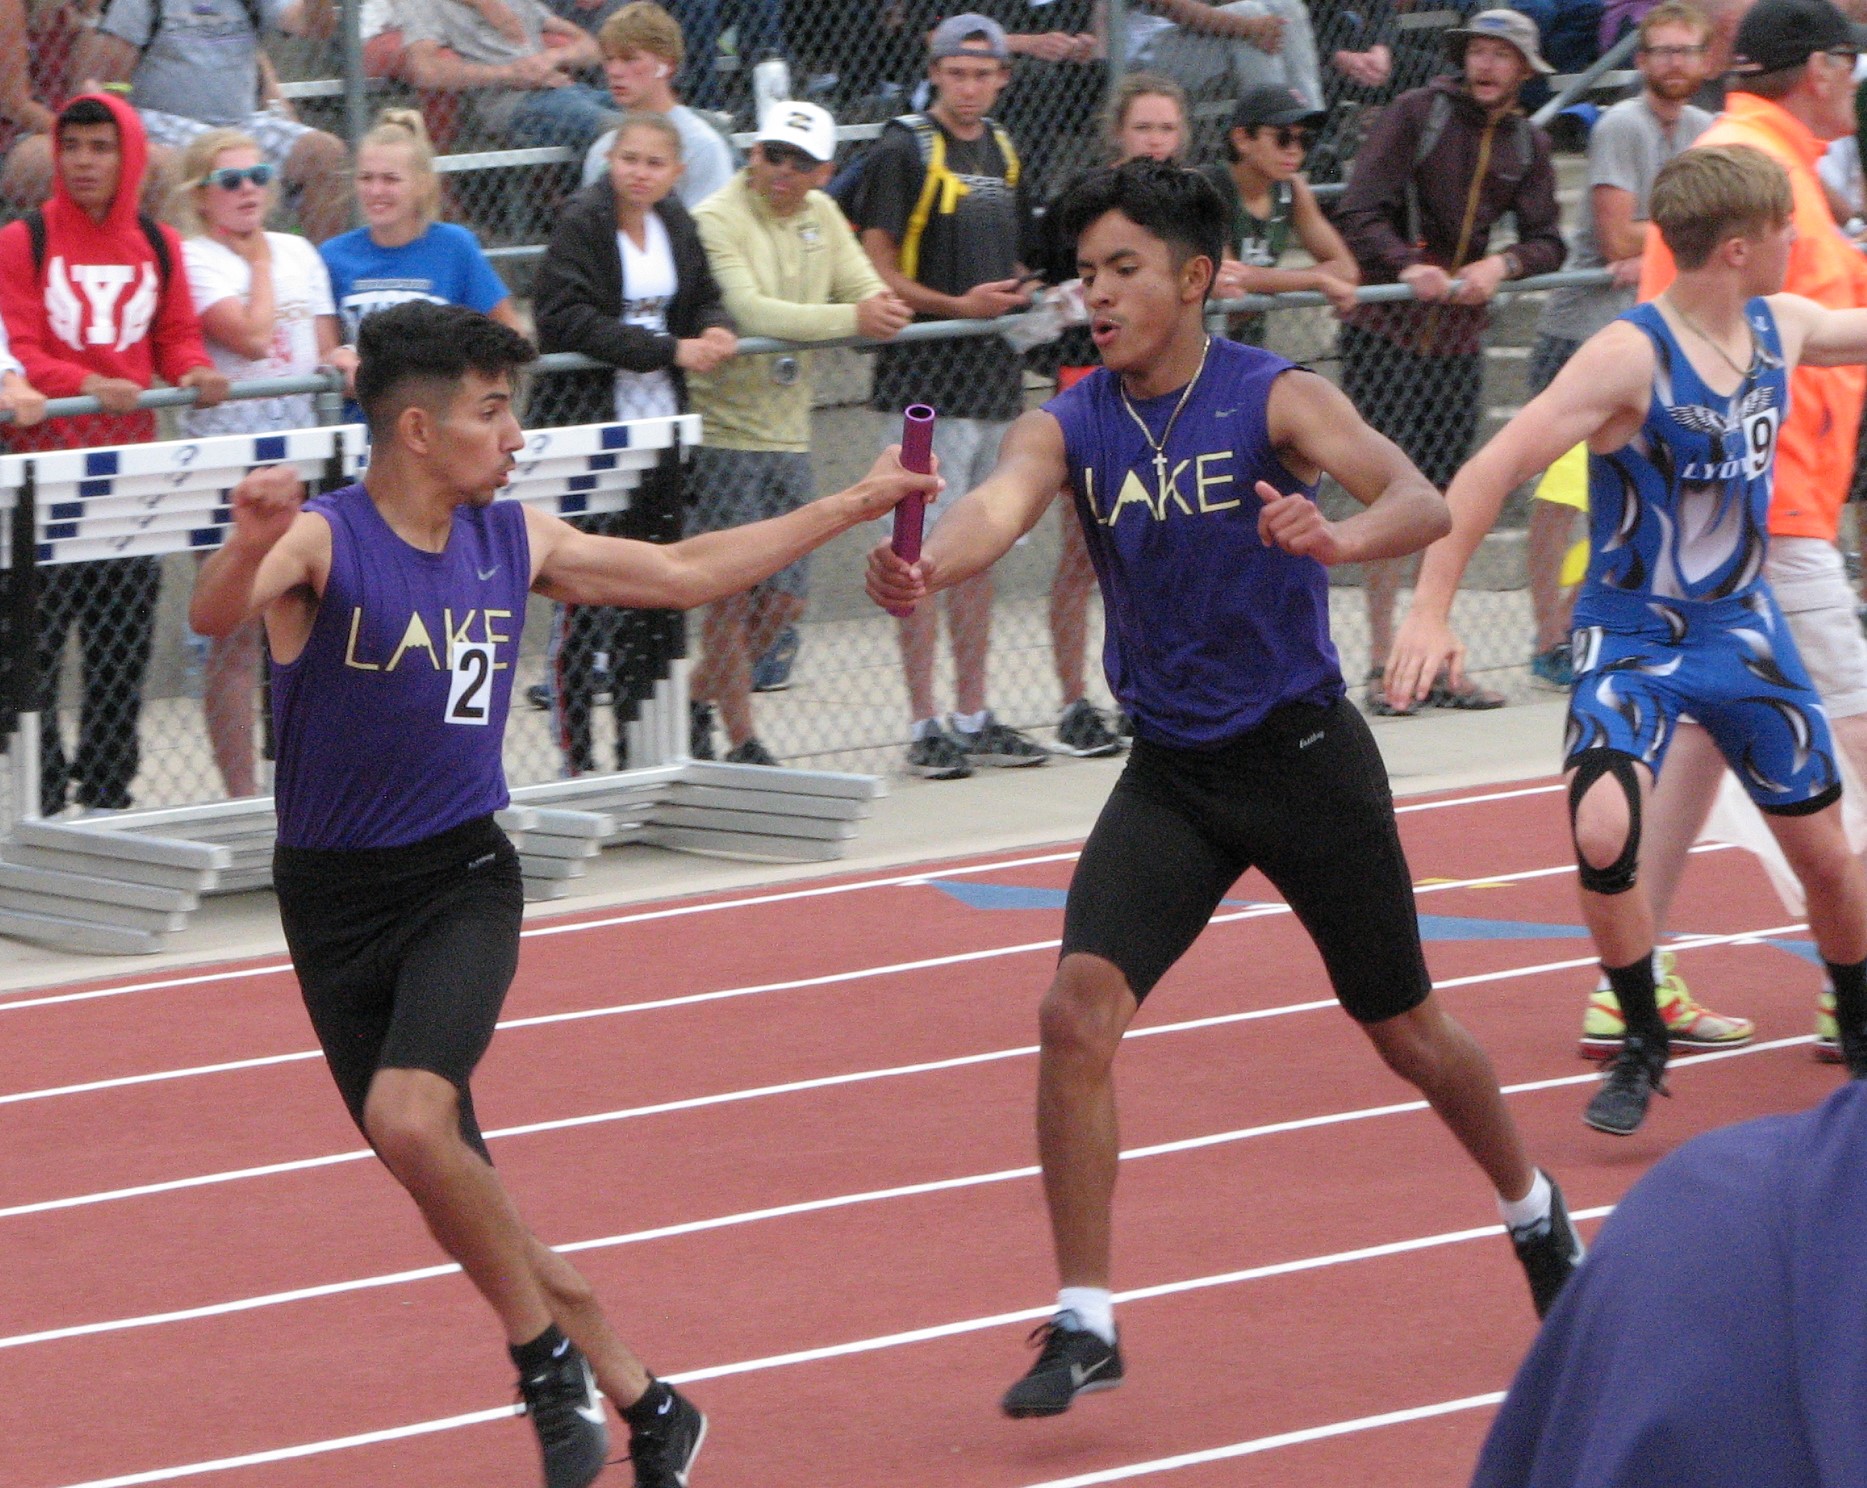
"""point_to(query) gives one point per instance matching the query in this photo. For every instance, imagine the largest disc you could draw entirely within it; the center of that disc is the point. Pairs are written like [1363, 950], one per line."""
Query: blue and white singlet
[1675, 615]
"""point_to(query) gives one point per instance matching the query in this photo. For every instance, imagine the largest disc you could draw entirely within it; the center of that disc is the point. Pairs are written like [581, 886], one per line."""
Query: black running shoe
[700, 731]
[1621, 1104]
[664, 1452]
[1083, 732]
[567, 1414]
[938, 756]
[1073, 1361]
[1549, 1251]
[750, 753]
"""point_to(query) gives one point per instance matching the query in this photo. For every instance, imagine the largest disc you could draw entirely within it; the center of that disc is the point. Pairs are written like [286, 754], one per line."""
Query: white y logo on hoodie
[100, 286]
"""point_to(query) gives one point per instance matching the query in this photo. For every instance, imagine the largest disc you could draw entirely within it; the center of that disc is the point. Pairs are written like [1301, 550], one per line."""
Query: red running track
[788, 1135]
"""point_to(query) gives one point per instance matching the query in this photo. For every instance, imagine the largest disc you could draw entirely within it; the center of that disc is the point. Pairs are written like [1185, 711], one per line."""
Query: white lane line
[893, 880]
[828, 979]
[821, 1082]
[839, 1201]
[1275, 1443]
[850, 1349]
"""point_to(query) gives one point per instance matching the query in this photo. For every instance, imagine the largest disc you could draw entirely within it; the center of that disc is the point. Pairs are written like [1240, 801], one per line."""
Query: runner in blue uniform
[393, 610]
[1679, 401]
[1193, 462]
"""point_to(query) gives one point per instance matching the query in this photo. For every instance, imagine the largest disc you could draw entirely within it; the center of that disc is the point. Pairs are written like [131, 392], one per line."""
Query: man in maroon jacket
[1444, 163]
[96, 302]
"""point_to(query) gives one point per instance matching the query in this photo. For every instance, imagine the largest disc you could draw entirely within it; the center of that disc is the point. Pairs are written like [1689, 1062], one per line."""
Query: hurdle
[120, 883]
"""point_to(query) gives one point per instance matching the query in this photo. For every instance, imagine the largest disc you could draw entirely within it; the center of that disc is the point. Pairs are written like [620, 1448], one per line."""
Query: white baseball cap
[805, 125]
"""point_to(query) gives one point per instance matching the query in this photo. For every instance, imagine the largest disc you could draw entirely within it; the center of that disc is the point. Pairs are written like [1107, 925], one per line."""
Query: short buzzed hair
[1673, 13]
[643, 26]
[1712, 192]
[419, 351]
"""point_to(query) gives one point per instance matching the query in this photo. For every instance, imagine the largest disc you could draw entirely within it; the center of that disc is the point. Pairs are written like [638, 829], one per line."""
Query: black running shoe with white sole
[1083, 732]
[663, 1452]
[567, 1414]
[996, 744]
[938, 756]
[1549, 1251]
[1072, 1361]
[1620, 1105]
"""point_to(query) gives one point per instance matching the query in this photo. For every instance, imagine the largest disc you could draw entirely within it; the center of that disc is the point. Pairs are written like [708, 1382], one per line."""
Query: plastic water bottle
[771, 83]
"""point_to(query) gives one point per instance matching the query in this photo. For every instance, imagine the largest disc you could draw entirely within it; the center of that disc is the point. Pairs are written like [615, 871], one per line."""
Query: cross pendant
[1160, 473]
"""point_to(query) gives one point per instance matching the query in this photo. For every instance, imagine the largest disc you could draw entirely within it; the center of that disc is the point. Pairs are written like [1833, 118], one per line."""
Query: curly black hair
[1178, 206]
[434, 345]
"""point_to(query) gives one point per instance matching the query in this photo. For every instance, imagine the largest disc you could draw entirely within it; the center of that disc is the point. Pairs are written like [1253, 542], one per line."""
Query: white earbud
[664, 70]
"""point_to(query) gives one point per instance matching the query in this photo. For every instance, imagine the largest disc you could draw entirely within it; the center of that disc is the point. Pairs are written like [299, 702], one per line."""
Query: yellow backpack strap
[936, 176]
[1010, 151]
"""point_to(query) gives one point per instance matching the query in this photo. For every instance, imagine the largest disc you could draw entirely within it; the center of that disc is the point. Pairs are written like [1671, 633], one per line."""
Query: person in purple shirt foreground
[1640, 1354]
[393, 610]
[1193, 462]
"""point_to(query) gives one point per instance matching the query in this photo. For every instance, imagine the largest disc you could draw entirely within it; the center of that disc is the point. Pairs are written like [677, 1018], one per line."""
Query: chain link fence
[182, 721]
[174, 720]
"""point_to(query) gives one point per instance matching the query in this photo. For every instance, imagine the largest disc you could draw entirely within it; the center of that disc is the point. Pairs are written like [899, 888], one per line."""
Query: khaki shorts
[1812, 587]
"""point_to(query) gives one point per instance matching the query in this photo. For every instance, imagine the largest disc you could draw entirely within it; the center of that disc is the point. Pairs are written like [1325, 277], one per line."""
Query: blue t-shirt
[444, 265]
[1208, 630]
[1712, 1339]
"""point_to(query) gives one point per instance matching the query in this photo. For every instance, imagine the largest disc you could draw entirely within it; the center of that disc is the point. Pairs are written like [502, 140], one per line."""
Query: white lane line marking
[892, 880]
[821, 1082]
[840, 1350]
[1274, 1443]
[835, 978]
[839, 1201]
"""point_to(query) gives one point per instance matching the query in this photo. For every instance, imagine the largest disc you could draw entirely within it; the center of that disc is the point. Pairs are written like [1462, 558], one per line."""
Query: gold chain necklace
[1723, 356]
[1160, 446]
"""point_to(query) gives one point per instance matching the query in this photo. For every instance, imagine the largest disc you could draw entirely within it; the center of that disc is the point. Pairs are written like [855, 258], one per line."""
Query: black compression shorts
[1303, 798]
[404, 954]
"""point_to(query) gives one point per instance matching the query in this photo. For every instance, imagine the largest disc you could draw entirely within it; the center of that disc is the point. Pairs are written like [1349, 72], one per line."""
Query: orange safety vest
[1815, 449]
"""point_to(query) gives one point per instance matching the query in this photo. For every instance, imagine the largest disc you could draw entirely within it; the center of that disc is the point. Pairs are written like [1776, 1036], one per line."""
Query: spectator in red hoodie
[96, 302]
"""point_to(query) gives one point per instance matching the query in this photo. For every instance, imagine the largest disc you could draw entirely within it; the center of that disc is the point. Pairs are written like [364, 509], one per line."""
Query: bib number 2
[470, 690]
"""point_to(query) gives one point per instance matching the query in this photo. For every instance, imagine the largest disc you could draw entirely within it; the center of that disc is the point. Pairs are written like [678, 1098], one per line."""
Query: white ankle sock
[1094, 1308]
[1529, 1211]
[971, 723]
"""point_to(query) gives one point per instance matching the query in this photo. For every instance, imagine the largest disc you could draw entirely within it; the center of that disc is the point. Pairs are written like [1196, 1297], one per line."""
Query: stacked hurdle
[119, 884]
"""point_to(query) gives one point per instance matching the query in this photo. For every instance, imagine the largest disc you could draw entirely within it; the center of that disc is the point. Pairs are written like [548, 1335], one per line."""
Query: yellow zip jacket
[798, 278]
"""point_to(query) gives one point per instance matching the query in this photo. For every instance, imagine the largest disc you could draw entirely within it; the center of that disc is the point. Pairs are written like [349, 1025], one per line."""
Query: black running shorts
[1303, 798]
[404, 954]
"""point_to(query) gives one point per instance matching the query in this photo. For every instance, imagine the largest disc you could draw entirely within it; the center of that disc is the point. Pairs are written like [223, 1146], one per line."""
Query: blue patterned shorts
[1730, 665]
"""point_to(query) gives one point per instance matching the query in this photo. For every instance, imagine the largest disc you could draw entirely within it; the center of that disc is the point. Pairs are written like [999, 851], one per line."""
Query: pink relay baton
[917, 425]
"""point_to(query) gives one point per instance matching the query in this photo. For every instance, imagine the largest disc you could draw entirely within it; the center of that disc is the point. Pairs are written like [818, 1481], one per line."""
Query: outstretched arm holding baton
[982, 525]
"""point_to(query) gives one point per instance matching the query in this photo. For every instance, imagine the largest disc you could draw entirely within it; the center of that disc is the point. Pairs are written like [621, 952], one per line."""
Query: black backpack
[159, 245]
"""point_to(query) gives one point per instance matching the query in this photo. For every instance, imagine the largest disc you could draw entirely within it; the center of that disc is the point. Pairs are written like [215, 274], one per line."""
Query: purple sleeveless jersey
[389, 724]
[1208, 630]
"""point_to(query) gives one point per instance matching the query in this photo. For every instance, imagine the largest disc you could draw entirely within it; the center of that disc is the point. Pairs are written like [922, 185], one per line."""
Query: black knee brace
[1590, 765]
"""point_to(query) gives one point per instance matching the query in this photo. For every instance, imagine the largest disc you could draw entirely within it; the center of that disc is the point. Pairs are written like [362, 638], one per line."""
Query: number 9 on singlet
[470, 690]
[1759, 442]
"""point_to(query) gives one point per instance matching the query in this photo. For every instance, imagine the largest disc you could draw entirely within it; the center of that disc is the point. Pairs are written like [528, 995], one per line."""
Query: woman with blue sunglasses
[265, 304]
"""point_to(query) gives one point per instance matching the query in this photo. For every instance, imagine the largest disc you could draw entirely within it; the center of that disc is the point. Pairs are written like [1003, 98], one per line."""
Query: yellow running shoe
[1689, 1024]
[1827, 1031]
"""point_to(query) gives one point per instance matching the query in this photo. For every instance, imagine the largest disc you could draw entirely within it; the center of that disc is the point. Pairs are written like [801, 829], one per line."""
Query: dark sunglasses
[1286, 135]
[788, 155]
[231, 178]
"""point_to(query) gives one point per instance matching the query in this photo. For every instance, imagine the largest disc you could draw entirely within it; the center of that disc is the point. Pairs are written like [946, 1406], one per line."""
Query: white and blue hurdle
[120, 883]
